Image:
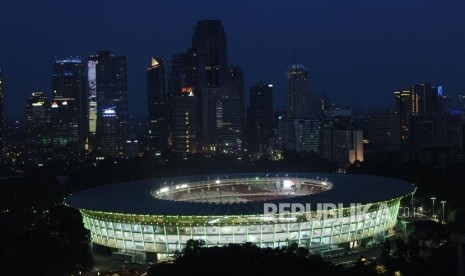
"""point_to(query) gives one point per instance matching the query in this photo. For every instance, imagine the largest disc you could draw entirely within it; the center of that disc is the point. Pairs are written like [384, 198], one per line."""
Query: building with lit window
[260, 117]
[161, 215]
[298, 97]
[157, 136]
[68, 108]
[184, 104]
[38, 135]
[108, 90]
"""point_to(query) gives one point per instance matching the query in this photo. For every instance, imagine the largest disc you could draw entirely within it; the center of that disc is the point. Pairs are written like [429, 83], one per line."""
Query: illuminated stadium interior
[237, 190]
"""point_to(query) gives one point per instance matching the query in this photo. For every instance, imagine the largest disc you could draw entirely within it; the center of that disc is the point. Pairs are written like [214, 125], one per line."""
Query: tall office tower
[209, 40]
[69, 107]
[108, 95]
[406, 107]
[2, 113]
[210, 46]
[298, 97]
[230, 112]
[383, 132]
[211, 113]
[437, 130]
[183, 103]
[38, 136]
[184, 125]
[429, 97]
[417, 100]
[157, 111]
[260, 116]
[342, 146]
[310, 135]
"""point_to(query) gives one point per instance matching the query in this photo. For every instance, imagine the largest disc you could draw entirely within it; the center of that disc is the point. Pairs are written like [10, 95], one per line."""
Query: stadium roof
[136, 197]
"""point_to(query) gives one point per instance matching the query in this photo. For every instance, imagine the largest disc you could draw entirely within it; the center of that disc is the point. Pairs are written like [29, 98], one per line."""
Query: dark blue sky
[358, 51]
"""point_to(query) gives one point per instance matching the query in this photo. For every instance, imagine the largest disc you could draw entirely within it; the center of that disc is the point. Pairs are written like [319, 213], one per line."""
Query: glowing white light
[164, 190]
[214, 221]
[109, 111]
[217, 181]
[288, 184]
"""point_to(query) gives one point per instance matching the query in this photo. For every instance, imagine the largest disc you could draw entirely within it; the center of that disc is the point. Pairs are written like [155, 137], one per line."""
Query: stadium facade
[161, 215]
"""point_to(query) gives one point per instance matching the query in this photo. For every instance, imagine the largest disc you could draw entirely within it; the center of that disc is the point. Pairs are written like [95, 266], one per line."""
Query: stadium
[158, 216]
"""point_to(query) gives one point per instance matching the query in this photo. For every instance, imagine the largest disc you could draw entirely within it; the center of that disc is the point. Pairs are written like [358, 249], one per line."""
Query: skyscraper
[108, 91]
[230, 112]
[38, 136]
[209, 40]
[2, 113]
[298, 110]
[183, 103]
[298, 97]
[157, 111]
[210, 54]
[417, 100]
[69, 107]
[260, 116]
[406, 107]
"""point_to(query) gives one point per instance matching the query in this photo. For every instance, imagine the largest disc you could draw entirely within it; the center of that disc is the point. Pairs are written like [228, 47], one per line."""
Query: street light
[443, 202]
[433, 198]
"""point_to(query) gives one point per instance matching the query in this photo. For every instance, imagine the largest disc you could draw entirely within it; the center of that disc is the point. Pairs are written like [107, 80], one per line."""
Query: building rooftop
[138, 198]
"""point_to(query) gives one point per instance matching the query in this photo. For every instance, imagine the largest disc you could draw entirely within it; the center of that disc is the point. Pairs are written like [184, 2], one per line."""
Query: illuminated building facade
[92, 88]
[38, 134]
[68, 108]
[110, 93]
[157, 139]
[225, 209]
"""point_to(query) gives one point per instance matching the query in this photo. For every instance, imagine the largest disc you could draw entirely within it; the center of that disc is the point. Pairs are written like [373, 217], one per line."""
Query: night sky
[359, 52]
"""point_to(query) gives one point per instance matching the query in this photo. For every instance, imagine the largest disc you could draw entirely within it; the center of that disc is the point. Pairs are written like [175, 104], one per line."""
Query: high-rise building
[382, 132]
[342, 146]
[406, 107]
[184, 125]
[157, 138]
[2, 113]
[209, 47]
[108, 95]
[298, 97]
[418, 100]
[437, 130]
[260, 116]
[209, 40]
[298, 110]
[69, 107]
[38, 135]
[230, 112]
[310, 135]
[183, 104]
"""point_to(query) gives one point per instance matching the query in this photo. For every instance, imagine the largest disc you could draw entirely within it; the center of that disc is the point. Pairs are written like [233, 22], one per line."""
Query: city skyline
[348, 58]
